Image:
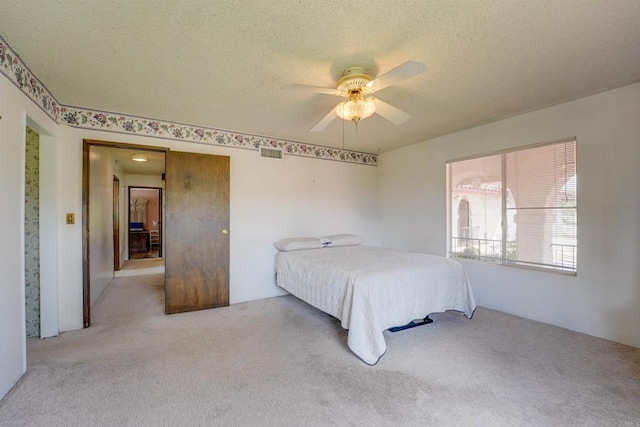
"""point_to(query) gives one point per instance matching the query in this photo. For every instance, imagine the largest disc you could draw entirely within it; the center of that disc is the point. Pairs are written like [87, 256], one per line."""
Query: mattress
[372, 289]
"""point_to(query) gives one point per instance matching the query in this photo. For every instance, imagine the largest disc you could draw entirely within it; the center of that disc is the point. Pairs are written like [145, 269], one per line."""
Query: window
[516, 208]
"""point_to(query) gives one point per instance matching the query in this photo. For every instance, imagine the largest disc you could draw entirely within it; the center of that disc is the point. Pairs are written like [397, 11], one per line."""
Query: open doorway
[109, 169]
[32, 234]
[145, 222]
[198, 187]
[40, 233]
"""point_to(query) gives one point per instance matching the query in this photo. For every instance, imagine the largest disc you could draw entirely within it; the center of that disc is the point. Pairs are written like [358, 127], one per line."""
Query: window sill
[518, 266]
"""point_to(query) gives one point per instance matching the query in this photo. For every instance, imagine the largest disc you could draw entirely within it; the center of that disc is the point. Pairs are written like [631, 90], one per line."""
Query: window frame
[503, 260]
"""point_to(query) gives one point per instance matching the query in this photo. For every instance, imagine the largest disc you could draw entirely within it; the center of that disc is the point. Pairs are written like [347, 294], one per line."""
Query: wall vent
[271, 153]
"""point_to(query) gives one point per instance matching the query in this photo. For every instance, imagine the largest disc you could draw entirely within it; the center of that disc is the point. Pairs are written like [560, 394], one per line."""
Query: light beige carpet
[137, 267]
[278, 362]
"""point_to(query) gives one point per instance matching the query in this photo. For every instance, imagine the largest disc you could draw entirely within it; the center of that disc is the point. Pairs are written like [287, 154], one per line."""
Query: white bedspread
[371, 289]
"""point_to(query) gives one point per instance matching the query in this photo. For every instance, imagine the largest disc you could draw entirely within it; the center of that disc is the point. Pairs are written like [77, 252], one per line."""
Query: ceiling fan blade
[325, 121]
[398, 74]
[314, 89]
[391, 113]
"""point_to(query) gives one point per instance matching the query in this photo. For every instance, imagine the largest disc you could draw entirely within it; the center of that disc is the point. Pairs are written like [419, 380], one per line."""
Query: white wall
[14, 109]
[604, 299]
[69, 195]
[49, 218]
[269, 200]
[136, 180]
[273, 199]
[101, 171]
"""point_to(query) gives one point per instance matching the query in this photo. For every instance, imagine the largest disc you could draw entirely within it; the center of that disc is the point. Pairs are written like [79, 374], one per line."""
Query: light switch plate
[71, 218]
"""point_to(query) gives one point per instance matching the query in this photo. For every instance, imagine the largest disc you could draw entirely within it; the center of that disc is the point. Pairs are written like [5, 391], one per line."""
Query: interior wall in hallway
[102, 167]
[32, 233]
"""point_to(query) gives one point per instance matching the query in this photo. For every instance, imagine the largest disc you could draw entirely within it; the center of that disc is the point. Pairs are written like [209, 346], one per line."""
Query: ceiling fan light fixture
[139, 157]
[356, 109]
[353, 85]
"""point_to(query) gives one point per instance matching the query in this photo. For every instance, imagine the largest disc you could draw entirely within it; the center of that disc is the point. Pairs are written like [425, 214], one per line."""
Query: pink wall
[152, 206]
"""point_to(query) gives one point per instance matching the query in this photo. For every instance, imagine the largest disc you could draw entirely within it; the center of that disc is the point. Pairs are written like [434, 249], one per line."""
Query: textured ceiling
[222, 63]
[155, 164]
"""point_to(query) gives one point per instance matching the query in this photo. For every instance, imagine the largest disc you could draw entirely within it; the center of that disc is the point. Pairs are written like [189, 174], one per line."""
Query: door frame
[160, 213]
[116, 223]
[86, 145]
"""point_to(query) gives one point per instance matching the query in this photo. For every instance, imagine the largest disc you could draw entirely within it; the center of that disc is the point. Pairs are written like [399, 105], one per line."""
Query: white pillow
[298, 243]
[340, 240]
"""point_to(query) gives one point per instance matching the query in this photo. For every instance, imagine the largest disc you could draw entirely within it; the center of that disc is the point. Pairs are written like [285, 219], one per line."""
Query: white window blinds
[516, 208]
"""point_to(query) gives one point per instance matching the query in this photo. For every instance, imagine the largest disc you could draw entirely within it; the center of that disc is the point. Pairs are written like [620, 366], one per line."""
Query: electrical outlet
[71, 218]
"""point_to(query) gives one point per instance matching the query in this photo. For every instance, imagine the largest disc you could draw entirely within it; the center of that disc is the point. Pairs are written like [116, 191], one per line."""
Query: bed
[371, 289]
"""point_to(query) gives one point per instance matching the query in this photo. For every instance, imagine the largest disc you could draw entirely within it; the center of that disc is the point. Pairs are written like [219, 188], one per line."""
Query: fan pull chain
[342, 134]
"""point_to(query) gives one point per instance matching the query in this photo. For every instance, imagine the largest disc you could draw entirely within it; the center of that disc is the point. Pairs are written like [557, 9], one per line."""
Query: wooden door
[196, 232]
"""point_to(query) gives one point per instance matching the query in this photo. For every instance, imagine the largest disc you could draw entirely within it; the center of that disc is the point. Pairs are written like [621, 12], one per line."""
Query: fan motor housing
[354, 78]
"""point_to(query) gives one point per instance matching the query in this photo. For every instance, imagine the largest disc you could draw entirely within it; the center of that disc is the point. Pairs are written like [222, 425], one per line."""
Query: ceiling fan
[354, 85]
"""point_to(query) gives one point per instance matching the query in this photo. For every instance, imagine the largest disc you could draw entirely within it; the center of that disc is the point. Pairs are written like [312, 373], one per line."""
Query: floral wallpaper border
[122, 123]
[12, 66]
